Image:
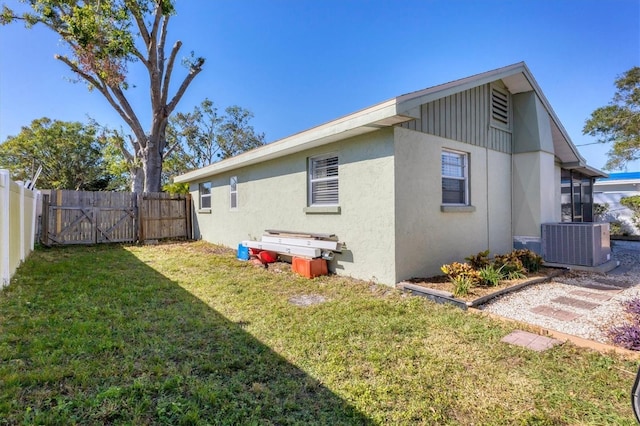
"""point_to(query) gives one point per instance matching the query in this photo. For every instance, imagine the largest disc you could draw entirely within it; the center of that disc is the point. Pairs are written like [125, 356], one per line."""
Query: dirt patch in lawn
[307, 299]
[441, 283]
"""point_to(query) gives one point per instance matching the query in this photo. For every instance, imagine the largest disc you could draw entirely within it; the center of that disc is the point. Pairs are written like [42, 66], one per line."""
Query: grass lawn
[186, 334]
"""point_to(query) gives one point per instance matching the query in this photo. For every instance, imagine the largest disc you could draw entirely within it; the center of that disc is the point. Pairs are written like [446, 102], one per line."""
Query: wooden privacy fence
[163, 215]
[85, 217]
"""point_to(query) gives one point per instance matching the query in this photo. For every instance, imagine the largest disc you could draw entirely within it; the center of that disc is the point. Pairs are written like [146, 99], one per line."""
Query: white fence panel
[18, 214]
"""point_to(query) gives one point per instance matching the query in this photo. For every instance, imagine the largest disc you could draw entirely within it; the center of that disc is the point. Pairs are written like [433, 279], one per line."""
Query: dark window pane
[453, 191]
[205, 202]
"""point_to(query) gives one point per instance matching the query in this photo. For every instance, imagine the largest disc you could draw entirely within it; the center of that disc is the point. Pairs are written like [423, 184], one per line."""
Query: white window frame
[313, 163]
[233, 192]
[464, 177]
[201, 186]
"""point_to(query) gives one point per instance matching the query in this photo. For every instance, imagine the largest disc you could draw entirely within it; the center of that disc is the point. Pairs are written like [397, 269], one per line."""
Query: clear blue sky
[300, 63]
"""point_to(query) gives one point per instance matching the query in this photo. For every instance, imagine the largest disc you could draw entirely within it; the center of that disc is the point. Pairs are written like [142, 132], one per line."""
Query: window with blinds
[233, 192]
[455, 181]
[323, 181]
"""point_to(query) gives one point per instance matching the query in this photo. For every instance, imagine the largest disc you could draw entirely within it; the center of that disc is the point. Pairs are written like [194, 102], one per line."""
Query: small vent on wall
[500, 106]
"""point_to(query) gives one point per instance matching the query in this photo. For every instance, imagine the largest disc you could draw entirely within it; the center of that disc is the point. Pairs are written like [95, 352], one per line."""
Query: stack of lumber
[291, 243]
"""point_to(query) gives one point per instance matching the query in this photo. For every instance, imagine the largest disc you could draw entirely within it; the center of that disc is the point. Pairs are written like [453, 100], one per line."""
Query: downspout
[512, 193]
[486, 157]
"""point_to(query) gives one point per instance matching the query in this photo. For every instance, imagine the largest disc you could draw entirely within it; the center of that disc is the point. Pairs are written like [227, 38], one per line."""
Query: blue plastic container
[243, 252]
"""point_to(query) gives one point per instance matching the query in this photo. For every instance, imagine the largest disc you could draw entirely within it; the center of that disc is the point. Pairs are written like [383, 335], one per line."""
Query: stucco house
[409, 184]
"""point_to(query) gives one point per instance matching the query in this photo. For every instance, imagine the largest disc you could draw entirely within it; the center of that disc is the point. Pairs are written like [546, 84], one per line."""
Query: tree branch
[161, 45]
[195, 70]
[128, 157]
[131, 117]
[168, 71]
[156, 21]
[170, 150]
[135, 11]
[122, 107]
[95, 82]
[154, 67]
[139, 55]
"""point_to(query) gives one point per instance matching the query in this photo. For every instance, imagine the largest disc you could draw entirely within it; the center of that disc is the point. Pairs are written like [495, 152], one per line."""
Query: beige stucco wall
[426, 237]
[536, 192]
[390, 200]
[536, 176]
[272, 195]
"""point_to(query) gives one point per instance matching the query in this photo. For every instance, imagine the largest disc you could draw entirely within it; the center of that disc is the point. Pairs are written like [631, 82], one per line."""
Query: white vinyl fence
[18, 214]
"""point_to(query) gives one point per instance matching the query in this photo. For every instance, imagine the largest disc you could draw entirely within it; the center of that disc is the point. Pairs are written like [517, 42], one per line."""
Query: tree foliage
[619, 122]
[103, 38]
[194, 140]
[204, 136]
[69, 153]
[633, 204]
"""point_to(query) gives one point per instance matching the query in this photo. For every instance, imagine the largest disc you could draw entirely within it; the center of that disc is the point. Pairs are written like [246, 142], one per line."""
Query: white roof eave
[367, 120]
[385, 114]
[524, 83]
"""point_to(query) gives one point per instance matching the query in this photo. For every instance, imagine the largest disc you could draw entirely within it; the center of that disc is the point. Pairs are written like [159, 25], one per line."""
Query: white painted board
[282, 248]
[303, 242]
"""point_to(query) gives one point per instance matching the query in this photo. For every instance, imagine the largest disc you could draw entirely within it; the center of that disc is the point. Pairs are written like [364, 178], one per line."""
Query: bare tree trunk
[152, 163]
[137, 180]
[106, 72]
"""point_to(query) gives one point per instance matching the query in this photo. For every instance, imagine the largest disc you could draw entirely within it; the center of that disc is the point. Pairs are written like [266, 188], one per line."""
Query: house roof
[620, 179]
[516, 77]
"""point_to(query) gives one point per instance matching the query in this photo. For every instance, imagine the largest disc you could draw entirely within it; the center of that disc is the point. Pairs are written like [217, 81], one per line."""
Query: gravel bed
[592, 324]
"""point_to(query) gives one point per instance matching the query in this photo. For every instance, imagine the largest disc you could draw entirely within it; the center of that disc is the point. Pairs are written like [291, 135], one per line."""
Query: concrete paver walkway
[582, 304]
[531, 341]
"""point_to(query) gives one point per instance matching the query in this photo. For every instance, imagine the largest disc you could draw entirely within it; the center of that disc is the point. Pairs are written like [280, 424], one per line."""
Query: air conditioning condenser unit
[576, 243]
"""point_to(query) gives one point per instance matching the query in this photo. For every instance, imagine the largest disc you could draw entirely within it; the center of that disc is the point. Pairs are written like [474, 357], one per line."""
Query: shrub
[515, 275]
[461, 285]
[479, 260]
[616, 228]
[626, 335]
[455, 269]
[530, 260]
[509, 263]
[491, 276]
[633, 307]
[633, 203]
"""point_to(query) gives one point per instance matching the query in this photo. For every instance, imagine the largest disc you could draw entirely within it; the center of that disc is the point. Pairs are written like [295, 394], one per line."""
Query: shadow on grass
[92, 335]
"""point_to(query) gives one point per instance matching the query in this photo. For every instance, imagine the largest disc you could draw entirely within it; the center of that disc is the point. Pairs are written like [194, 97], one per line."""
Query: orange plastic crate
[309, 268]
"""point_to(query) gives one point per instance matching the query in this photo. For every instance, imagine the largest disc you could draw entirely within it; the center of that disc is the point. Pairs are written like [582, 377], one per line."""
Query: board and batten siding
[463, 117]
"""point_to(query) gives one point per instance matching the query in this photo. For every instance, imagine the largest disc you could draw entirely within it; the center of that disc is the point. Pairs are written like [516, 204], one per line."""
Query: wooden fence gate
[163, 215]
[85, 217]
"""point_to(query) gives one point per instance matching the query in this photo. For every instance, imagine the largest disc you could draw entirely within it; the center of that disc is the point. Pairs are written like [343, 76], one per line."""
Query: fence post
[23, 234]
[140, 217]
[5, 194]
[44, 228]
[58, 193]
[187, 202]
[34, 219]
[136, 217]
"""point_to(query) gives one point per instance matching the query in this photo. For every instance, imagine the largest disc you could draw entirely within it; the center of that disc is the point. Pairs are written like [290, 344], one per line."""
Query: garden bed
[440, 289]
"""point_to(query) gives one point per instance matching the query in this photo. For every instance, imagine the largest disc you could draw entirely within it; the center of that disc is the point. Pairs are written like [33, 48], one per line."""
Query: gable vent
[500, 106]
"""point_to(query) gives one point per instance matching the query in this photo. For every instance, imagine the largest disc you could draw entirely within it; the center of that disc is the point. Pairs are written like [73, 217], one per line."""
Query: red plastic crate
[309, 268]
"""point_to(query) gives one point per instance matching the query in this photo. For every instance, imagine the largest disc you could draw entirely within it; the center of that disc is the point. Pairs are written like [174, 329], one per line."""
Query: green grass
[186, 334]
